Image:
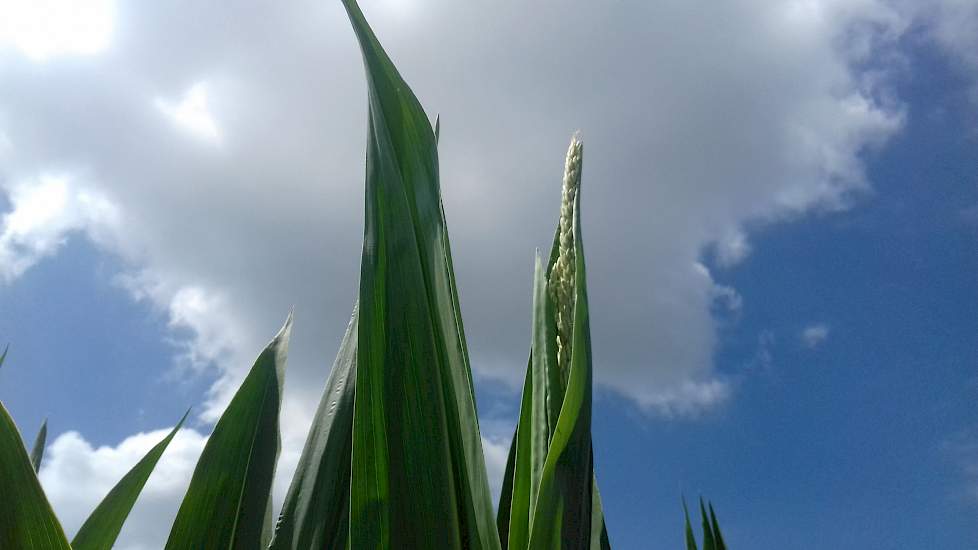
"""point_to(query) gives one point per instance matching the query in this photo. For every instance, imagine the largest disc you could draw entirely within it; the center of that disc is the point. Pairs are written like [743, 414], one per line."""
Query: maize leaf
[101, 529]
[709, 542]
[37, 451]
[717, 536]
[712, 538]
[690, 538]
[226, 505]
[418, 473]
[315, 513]
[3, 356]
[26, 519]
[549, 493]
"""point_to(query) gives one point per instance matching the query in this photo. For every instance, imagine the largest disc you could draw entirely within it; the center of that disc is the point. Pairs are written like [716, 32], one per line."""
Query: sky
[780, 216]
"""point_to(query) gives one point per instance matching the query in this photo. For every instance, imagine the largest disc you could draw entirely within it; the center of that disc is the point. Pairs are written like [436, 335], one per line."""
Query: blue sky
[780, 215]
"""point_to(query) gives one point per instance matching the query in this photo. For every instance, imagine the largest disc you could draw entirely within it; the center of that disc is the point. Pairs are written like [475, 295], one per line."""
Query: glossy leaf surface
[227, 504]
[26, 519]
[419, 477]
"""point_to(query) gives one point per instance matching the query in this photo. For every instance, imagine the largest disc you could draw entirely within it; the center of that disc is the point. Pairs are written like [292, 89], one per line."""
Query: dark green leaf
[690, 538]
[101, 529]
[26, 519]
[717, 536]
[37, 451]
[708, 542]
[3, 356]
[227, 502]
[419, 477]
[316, 509]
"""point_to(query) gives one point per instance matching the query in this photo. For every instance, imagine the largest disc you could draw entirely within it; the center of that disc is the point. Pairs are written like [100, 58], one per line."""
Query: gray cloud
[695, 122]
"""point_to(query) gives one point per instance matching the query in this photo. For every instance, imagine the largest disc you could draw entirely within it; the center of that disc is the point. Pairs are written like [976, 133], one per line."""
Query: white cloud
[755, 114]
[814, 335]
[76, 476]
[191, 112]
[42, 29]
[496, 451]
[44, 211]
[952, 24]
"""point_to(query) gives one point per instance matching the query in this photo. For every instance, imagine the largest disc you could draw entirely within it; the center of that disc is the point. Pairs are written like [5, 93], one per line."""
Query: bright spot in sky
[191, 113]
[37, 206]
[42, 29]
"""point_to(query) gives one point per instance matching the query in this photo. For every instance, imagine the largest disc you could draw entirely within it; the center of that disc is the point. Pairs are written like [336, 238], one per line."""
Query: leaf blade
[315, 513]
[227, 501]
[101, 529]
[27, 521]
[419, 477]
[37, 451]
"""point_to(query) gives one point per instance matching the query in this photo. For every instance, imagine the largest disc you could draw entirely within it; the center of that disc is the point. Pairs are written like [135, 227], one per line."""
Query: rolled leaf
[550, 493]
[226, 505]
[27, 521]
[316, 509]
[101, 529]
[37, 451]
[418, 473]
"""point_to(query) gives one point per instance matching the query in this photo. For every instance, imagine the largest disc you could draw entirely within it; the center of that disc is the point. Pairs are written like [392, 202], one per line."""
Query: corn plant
[550, 497]
[393, 458]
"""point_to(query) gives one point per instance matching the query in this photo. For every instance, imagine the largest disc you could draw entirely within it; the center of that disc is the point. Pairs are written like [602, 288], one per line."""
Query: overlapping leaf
[229, 499]
[419, 477]
[316, 509]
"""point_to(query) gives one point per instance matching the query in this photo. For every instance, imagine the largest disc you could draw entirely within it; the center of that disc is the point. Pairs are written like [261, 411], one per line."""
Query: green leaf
[718, 538]
[550, 492]
[418, 473]
[316, 509]
[562, 517]
[26, 519]
[538, 414]
[227, 502]
[3, 356]
[100, 530]
[708, 542]
[690, 538]
[37, 451]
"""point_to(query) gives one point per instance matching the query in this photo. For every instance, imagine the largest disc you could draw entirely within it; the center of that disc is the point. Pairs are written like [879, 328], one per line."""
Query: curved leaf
[316, 509]
[101, 529]
[419, 478]
[227, 503]
[26, 519]
[37, 451]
